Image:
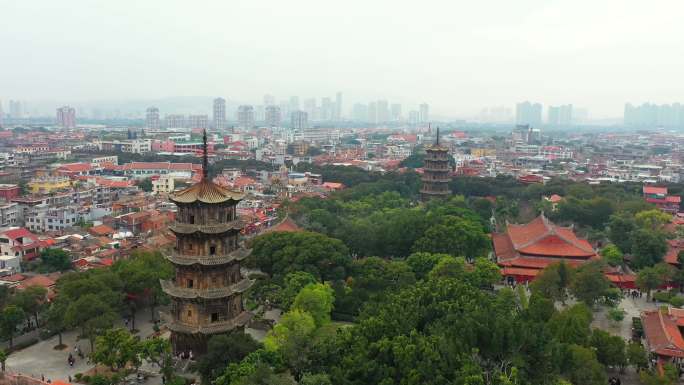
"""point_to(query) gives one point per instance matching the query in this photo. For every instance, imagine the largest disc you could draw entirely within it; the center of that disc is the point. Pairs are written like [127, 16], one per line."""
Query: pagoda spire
[205, 157]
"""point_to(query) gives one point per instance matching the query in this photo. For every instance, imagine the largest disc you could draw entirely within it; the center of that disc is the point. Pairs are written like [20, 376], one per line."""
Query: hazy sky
[459, 56]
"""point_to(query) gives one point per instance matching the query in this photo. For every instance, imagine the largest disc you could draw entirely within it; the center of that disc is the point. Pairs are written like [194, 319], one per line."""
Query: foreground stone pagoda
[435, 172]
[206, 292]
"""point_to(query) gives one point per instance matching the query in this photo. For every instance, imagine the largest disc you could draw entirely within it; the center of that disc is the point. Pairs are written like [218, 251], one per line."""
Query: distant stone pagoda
[206, 293]
[435, 171]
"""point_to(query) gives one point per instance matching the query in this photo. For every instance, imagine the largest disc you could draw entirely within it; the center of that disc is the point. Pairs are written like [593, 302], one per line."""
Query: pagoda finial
[437, 140]
[205, 157]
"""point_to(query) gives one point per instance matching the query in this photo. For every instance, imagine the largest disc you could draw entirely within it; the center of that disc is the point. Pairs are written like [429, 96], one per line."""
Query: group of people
[614, 381]
[185, 355]
[77, 351]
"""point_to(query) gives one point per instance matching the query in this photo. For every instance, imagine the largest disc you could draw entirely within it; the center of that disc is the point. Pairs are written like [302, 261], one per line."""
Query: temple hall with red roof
[523, 251]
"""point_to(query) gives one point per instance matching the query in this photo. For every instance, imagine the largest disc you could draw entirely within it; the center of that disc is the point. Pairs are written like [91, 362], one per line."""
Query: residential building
[20, 242]
[164, 184]
[198, 121]
[660, 197]
[219, 114]
[245, 117]
[272, 116]
[9, 214]
[44, 217]
[66, 117]
[299, 120]
[528, 113]
[424, 113]
[152, 118]
[175, 121]
[9, 191]
[49, 184]
[560, 115]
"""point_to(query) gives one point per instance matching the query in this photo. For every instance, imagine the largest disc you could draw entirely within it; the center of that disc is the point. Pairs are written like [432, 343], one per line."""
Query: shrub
[677, 301]
[663, 296]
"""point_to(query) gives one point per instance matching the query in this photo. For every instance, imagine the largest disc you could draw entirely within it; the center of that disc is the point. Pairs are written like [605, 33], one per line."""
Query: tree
[91, 314]
[291, 337]
[584, 368]
[589, 284]
[648, 247]
[158, 351]
[317, 300]
[620, 230]
[282, 253]
[610, 350]
[652, 219]
[294, 282]
[116, 348]
[448, 267]
[315, 379]
[650, 278]
[422, 263]
[554, 281]
[3, 358]
[455, 236]
[616, 314]
[31, 300]
[485, 273]
[612, 255]
[571, 325]
[145, 184]
[55, 260]
[222, 350]
[55, 319]
[636, 355]
[12, 316]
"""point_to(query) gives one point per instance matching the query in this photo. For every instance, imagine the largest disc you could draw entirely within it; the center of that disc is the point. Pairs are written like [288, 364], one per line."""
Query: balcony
[170, 288]
[211, 328]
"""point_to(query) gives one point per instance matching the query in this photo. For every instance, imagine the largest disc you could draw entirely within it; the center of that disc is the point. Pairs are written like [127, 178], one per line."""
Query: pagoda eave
[185, 228]
[172, 290]
[209, 260]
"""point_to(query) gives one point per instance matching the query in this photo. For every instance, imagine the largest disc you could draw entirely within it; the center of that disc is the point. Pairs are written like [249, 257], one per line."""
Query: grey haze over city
[458, 56]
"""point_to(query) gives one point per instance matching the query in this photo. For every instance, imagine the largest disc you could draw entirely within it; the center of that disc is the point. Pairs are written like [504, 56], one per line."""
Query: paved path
[42, 359]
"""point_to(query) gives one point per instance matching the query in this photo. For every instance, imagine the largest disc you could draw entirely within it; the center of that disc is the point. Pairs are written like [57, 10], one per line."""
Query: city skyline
[461, 56]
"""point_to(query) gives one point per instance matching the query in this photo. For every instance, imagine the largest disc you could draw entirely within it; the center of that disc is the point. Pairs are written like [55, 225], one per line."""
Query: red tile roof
[285, 226]
[38, 280]
[76, 167]
[541, 237]
[101, 230]
[655, 190]
[662, 334]
[19, 233]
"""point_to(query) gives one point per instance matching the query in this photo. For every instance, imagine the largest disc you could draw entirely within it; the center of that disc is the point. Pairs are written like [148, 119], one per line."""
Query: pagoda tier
[206, 292]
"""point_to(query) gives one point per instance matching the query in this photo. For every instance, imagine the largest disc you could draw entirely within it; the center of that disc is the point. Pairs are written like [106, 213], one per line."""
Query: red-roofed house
[21, 243]
[524, 250]
[101, 230]
[663, 334]
[659, 197]
[286, 226]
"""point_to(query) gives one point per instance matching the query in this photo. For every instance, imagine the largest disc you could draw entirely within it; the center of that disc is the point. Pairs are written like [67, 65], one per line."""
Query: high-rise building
[15, 109]
[2, 115]
[414, 117]
[424, 115]
[396, 112]
[327, 109]
[66, 117]
[152, 118]
[272, 116]
[650, 115]
[360, 112]
[372, 112]
[435, 171]
[338, 106]
[198, 121]
[207, 288]
[560, 115]
[175, 121]
[269, 100]
[299, 120]
[245, 116]
[383, 111]
[528, 113]
[310, 108]
[219, 113]
[294, 103]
